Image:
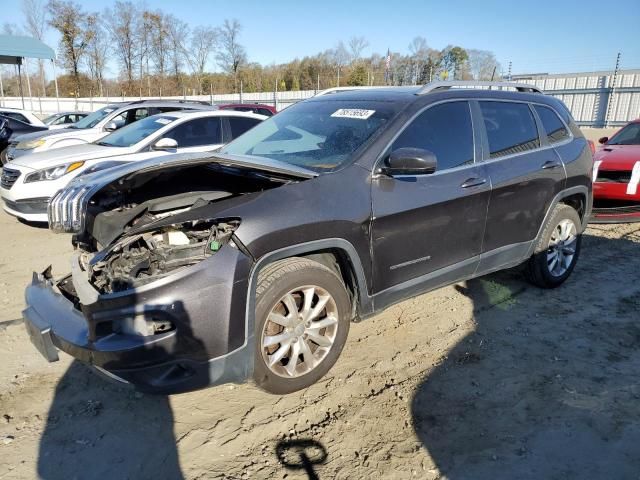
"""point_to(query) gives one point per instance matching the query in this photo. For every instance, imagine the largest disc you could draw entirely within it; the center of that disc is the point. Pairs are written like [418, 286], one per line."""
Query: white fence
[593, 98]
[50, 105]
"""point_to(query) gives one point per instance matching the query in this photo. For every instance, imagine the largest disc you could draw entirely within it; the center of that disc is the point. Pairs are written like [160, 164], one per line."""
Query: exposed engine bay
[121, 248]
[139, 259]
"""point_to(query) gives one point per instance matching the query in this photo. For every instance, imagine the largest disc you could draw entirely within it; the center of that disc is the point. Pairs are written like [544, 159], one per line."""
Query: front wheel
[302, 320]
[558, 249]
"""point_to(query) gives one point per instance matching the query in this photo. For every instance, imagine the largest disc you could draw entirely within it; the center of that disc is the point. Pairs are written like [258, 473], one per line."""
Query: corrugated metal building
[593, 97]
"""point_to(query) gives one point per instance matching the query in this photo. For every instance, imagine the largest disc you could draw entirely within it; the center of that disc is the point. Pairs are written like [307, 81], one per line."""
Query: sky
[541, 36]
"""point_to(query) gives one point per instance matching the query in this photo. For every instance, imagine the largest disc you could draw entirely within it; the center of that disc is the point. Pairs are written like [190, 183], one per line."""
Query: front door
[430, 227]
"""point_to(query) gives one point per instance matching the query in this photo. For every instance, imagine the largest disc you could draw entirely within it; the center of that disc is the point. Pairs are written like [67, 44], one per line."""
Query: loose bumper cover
[208, 342]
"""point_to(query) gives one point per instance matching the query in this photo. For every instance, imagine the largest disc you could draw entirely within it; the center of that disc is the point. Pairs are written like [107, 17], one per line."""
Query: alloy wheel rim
[562, 248]
[300, 331]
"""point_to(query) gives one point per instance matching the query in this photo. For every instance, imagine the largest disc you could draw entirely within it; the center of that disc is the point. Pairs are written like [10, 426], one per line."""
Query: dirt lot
[487, 379]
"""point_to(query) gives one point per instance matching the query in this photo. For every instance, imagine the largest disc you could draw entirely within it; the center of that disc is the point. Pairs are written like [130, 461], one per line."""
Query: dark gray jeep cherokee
[251, 262]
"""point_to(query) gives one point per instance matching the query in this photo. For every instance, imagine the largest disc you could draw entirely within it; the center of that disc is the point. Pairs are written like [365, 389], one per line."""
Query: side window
[167, 109]
[265, 112]
[444, 129]
[60, 121]
[197, 133]
[510, 128]
[239, 125]
[16, 116]
[552, 125]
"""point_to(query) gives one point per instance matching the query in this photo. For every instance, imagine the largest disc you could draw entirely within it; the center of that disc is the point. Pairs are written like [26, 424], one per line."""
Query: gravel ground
[486, 379]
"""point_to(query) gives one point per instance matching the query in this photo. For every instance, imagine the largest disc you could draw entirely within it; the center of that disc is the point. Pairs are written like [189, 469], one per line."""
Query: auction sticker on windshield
[163, 121]
[353, 113]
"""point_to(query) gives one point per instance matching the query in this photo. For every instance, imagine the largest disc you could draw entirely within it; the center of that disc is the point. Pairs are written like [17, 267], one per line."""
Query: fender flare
[365, 304]
[582, 189]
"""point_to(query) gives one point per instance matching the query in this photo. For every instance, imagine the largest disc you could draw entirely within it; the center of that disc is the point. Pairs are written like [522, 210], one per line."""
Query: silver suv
[97, 125]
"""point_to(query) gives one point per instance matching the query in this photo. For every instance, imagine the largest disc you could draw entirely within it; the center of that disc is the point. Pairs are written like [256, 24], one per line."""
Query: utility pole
[611, 91]
[509, 73]
[318, 84]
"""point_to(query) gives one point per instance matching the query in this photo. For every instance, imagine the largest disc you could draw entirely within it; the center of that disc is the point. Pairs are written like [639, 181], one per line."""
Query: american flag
[387, 66]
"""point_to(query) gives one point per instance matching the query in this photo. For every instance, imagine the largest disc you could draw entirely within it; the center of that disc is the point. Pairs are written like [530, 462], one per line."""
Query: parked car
[28, 182]
[97, 125]
[233, 266]
[64, 119]
[9, 129]
[616, 194]
[259, 108]
[22, 116]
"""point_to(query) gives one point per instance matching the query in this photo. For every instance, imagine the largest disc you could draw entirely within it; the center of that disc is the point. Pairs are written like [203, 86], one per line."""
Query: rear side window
[197, 133]
[265, 112]
[445, 130]
[552, 125]
[17, 116]
[510, 128]
[239, 125]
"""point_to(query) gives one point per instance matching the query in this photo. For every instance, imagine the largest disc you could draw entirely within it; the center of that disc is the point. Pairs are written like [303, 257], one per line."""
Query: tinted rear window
[239, 125]
[510, 128]
[552, 125]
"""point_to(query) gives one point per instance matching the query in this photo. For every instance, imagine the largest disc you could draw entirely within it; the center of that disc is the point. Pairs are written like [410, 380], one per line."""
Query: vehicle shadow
[99, 428]
[301, 455]
[546, 386]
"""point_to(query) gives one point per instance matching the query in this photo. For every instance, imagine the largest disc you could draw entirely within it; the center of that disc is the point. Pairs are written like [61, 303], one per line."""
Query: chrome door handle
[551, 164]
[474, 182]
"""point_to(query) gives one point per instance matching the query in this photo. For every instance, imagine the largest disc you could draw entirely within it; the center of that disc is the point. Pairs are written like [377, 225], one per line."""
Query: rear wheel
[302, 321]
[558, 249]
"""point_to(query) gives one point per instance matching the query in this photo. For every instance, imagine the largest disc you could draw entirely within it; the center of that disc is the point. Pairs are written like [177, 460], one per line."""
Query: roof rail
[173, 100]
[346, 89]
[447, 84]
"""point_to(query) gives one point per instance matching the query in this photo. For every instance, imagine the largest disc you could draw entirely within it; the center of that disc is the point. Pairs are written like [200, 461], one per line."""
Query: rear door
[433, 223]
[236, 126]
[197, 135]
[526, 174]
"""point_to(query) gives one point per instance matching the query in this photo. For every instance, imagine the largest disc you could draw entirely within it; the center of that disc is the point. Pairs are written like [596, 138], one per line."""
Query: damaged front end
[157, 295]
[141, 258]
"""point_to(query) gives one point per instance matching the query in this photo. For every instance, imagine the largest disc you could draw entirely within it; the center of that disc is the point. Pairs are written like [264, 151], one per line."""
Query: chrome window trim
[377, 169]
[377, 173]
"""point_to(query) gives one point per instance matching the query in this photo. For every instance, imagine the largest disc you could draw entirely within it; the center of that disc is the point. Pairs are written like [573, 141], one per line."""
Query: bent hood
[73, 153]
[618, 157]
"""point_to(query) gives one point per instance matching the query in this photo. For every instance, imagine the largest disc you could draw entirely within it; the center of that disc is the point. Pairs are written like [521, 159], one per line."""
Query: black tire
[537, 268]
[274, 282]
[3, 157]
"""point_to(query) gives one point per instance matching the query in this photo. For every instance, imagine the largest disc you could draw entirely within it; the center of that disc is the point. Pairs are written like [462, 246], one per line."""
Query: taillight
[592, 146]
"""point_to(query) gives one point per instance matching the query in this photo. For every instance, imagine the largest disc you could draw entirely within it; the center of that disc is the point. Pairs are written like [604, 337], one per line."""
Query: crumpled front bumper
[205, 303]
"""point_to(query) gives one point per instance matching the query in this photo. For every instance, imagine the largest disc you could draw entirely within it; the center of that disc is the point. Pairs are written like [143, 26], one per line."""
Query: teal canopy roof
[13, 47]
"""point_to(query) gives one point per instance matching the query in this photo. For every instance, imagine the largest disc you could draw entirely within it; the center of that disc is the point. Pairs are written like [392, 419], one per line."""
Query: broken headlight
[145, 257]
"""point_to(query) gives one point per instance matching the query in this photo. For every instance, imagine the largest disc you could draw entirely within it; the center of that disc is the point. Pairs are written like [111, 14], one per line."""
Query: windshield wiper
[105, 144]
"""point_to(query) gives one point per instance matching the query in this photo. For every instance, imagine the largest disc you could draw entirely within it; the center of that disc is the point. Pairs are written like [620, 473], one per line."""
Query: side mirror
[603, 140]
[165, 144]
[110, 127]
[410, 161]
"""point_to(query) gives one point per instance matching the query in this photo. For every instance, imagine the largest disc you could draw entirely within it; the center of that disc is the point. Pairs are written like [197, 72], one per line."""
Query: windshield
[136, 131]
[50, 119]
[93, 119]
[318, 135]
[629, 135]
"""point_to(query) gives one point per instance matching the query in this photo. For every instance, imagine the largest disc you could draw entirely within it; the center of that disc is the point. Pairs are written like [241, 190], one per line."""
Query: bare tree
[420, 55]
[178, 34]
[159, 44]
[356, 46]
[339, 57]
[35, 13]
[482, 64]
[97, 50]
[11, 29]
[203, 43]
[231, 55]
[71, 21]
[122, 26]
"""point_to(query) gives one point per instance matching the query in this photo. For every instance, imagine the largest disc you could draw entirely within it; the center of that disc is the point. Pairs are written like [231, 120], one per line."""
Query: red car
[259, 108]
[616, 173]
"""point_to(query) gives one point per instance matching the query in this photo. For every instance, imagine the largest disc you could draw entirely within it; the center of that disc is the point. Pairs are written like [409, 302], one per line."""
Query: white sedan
[28, 182]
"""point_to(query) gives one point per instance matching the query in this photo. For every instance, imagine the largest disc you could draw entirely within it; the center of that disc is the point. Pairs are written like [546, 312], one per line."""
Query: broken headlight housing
[142, 258]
